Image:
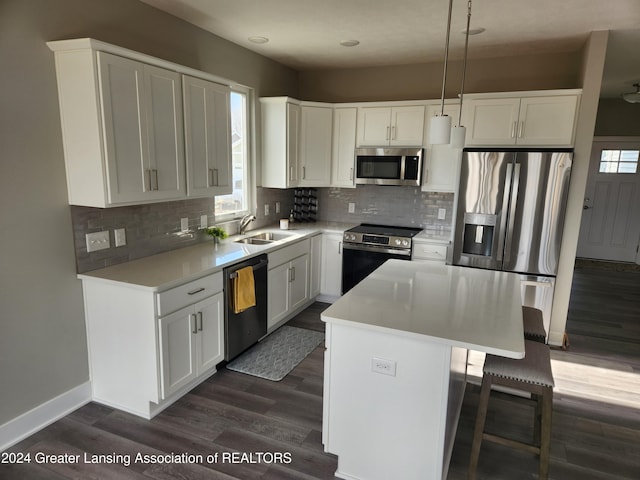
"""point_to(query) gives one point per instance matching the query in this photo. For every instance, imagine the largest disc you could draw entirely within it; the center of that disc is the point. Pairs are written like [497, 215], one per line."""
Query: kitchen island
[395, 364]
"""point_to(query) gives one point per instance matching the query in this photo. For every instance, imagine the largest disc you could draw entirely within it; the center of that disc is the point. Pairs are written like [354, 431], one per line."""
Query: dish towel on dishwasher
[244, 290]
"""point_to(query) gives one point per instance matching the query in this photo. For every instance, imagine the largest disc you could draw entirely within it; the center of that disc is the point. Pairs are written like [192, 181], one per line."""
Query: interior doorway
[610, 228]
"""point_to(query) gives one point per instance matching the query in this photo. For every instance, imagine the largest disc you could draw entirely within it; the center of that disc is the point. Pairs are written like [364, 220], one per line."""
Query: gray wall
[43, 349]
[412, 82]
[617, 118]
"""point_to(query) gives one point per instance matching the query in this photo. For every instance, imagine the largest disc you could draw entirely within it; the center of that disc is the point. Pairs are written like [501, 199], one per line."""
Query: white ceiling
[306, 34]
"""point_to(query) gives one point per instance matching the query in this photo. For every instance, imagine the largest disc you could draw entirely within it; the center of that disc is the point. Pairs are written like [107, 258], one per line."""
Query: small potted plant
[217, 234]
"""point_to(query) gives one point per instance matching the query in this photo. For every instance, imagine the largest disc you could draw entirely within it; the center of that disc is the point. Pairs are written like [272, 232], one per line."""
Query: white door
[610, 228]
[344, 143]
[491, 121]
[374, 126]
[177, 352]
[278, 294]
[547, 120]
[207, 137]
[315, 146]
[407, 125]
[210, 337]
[299, 281]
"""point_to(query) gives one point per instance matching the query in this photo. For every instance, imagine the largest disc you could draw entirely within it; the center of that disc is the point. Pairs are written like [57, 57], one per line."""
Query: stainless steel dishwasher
[241, 330]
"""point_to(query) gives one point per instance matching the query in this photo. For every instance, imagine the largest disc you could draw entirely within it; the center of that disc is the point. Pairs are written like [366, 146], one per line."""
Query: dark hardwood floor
[596, 416]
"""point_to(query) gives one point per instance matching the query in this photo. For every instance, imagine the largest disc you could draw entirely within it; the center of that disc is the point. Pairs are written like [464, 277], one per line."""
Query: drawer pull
[197, 290]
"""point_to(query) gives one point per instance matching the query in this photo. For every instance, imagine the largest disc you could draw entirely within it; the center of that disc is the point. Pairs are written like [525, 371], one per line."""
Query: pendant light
[633, 97]
[440, 127]
[459, 132]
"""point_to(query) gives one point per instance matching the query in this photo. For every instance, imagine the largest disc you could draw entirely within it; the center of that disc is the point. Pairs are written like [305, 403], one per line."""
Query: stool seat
[533, 324]
[534, 368]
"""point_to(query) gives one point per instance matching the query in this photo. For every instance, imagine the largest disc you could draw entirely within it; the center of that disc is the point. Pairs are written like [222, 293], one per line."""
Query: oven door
[358, 261]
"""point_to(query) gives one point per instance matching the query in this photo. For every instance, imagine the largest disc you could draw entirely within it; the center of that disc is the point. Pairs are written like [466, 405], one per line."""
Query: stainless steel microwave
[389, 166]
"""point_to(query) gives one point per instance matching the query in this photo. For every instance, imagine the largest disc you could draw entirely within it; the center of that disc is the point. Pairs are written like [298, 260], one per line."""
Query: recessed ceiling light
[474, 31]
[349, 43]
[258, 39]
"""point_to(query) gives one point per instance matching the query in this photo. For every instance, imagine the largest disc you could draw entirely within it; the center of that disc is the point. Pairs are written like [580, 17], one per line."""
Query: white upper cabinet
[315, 146]
[343, 149]
[527, 121]
[393, 126]
[123, 127]
[207, 124]
[280, 142]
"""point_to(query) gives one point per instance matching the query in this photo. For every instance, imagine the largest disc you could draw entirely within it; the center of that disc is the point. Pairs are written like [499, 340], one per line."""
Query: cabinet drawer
[429, 252]
[178, 297]
[286, 254]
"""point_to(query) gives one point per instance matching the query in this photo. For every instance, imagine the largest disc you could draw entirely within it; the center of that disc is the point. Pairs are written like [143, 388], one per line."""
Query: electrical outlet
[381, 365]
[120, 237]
[97, 241]
[266, 209]
[442, 213]
[352, 207]
[184, 224]
[204, 221]
[277, 207]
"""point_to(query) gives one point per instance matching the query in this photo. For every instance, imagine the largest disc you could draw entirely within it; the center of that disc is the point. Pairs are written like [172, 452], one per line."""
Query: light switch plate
[277, 207]
[204, 221]
[97, 241]
[442, 213]
[184, 224]
[120, 237]
[352, 207]
[266, 209]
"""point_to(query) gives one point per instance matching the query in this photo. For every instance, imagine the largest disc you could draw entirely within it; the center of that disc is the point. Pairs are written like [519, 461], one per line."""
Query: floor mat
[278, 354]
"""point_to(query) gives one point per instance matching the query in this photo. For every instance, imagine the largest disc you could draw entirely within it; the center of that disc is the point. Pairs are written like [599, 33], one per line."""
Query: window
[619, 161]
[238, 201]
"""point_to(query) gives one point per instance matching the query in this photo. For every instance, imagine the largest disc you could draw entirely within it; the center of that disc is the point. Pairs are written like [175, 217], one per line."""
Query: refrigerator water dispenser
[478, 234]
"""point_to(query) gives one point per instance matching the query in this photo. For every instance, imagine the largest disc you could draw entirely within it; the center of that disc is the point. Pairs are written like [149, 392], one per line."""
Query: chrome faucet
[244, 223]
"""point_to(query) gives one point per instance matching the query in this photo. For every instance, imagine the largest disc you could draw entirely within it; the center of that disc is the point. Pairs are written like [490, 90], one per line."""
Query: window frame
[250, 190]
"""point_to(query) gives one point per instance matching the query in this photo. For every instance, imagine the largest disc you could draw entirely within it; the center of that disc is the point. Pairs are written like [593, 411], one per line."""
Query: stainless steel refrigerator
[510, 216]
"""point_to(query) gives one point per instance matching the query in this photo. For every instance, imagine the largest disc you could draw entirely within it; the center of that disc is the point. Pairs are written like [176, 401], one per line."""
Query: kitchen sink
[264, 238]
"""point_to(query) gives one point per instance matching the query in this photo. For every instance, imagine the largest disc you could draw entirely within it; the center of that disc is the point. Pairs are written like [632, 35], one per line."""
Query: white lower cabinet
[146, 348]
[331, 276]
[191, 343]
[287, 283]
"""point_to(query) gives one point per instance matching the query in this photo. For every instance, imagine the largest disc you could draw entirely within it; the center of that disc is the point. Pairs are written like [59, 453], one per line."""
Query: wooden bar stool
[531, 374]
[533, 325]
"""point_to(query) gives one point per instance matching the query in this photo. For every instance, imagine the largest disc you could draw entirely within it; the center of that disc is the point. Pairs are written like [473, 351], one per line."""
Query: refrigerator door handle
[512, 211]
[503, 213]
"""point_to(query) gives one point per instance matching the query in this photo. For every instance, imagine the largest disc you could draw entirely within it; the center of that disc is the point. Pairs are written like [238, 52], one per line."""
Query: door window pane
[619, 161]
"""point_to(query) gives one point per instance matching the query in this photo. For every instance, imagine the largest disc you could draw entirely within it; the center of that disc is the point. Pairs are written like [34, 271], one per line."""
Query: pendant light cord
[446, 57]
[464, 63]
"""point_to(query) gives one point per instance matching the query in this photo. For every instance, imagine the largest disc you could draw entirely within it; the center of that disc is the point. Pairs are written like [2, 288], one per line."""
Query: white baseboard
[36, 419]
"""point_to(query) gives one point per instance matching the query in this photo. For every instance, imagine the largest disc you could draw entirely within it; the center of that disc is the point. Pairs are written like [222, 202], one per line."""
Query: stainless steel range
[368, 246]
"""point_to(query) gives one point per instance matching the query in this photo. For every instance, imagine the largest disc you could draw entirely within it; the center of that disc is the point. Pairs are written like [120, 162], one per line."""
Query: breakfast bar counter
[395, 364]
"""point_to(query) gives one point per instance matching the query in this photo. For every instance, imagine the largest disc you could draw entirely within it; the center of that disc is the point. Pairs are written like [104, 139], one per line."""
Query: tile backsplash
[386, 205]
[155, 228]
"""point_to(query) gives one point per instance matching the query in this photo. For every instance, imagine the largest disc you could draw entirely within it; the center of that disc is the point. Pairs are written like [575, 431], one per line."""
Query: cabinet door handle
[339, 248]
[513, 129]
[194, 321]
[216, 181]
[148, 172]
[388, 130]
[520, 129]
[293, 274]
[197, 290]
[393, 133]
[351, 174]
[199, 321]
[210, 177]
[304, 172]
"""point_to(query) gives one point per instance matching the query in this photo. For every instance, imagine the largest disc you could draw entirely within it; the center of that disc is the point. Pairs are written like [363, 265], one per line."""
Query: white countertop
[166, 270]
[464, 307]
